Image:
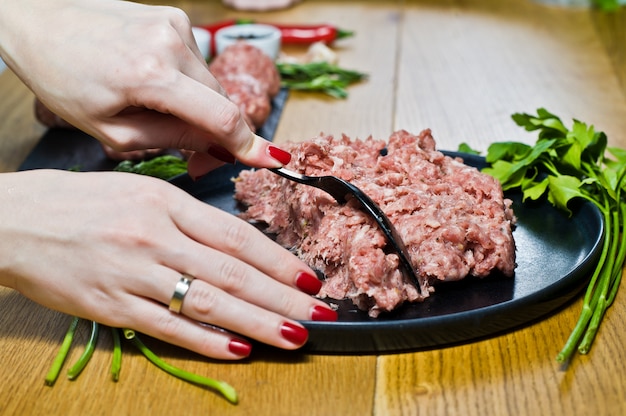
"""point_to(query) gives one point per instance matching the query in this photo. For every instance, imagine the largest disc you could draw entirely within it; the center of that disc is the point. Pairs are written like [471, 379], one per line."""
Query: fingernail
[321, 313]
[294, 333]
[279, 154]
[239, 347]
[308, 284]
[222, 154]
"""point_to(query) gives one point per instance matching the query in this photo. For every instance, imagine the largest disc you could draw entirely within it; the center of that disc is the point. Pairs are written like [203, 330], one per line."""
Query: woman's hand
[112, 246]
[130, 75]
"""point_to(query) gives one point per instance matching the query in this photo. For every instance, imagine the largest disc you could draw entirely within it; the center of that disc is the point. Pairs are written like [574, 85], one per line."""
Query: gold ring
[181, 289]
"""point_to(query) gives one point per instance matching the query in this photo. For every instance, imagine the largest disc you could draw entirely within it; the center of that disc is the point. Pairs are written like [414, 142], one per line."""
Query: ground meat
[250, 79]
[246, 92]
[453, 219]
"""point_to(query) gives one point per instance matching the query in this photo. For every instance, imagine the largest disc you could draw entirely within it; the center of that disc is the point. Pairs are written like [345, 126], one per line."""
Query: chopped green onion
[222, 387]
[57, 364]
[84, 358]
[116, 361]
[128, 333]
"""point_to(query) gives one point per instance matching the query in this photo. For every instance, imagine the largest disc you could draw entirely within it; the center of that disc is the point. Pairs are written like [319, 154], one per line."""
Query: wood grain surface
[459, 67]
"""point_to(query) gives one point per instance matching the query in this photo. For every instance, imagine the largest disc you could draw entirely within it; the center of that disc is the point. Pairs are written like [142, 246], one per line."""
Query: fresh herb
[568, 165]
[116, 362]
[164, 167]
[220, 386]
[465, 148]
[608, 5]
[84, 358]
[57, 364]
[318, 76]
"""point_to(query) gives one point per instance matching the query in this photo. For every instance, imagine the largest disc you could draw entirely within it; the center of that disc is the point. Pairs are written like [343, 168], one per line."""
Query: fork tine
[338, 189]
[392, 235]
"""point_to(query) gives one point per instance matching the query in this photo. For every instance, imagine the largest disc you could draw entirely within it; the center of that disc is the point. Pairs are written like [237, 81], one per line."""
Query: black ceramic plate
[555, 257]
[72, 149]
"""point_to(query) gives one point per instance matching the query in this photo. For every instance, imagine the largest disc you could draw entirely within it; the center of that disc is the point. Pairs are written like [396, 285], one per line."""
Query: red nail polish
[222, 154]
[308, 284]
[239, 347]
[279, 154]
[320, 313]
[294, 333]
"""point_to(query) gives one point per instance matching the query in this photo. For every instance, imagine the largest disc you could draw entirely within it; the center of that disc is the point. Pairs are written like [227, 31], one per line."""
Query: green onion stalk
[57, 364]
[220, 386]
[564, 165]
[84, 358]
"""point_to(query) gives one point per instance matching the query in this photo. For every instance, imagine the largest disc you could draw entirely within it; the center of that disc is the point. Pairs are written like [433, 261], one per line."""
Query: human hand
[51, 120]
[259, 5]
[130, 75]
[111, 246]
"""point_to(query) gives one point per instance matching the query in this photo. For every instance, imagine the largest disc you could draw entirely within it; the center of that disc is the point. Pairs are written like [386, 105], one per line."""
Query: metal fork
[340, 189]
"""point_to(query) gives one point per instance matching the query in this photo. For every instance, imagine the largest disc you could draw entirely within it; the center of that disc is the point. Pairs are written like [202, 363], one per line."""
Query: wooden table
[460, 67]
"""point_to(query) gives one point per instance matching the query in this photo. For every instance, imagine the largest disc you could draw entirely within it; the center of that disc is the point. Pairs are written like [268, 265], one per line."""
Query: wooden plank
[473, 64]
[467, 66]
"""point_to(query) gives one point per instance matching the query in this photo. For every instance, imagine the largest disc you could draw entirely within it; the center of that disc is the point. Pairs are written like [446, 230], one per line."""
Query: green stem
[55, 369]
[116, 361]
[84, 358]
[587, 310]
[222, 387]
[618, 268]
[603, 288]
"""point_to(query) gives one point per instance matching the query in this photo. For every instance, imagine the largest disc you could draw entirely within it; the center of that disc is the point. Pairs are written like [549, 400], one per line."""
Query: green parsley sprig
[568, 164]
[164, 167]
[608, 5]
[320, 76]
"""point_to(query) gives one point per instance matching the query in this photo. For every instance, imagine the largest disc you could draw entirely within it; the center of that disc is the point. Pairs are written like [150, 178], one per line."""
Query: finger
[270, 277]
[249, 284]
[205, 302]
[131, 155]
[157, 321]
[211, 119]
[238, 239]
[199, 164]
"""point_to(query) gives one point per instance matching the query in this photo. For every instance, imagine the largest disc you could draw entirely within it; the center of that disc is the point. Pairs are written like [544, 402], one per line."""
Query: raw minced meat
[249, 78]
[453, 219]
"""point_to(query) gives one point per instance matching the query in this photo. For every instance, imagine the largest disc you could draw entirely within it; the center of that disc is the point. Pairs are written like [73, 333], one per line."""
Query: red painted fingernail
[279, 154]
[239, 347]
[222, 154]
[294, 333]
[308, 284]
[321, 313]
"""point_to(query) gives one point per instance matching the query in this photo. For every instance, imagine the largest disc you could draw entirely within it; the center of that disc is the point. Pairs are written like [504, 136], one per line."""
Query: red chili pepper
[303, 34]
[291, 34]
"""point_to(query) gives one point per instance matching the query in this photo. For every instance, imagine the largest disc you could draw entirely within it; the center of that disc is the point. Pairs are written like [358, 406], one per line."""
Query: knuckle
[201, 300]
[177, 16]
[153, 70]
[228, 118]
[290, 305]
[236, 237]
[233, 276]
[167, 327]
